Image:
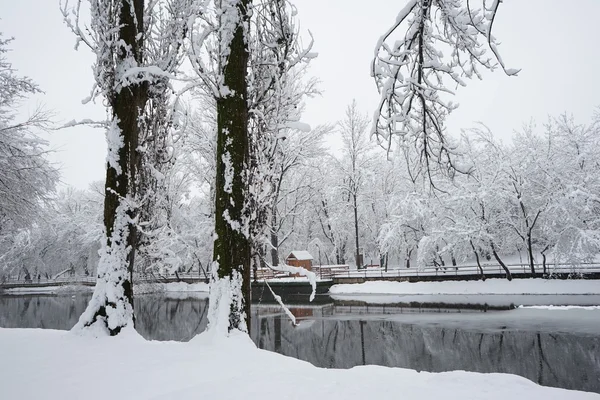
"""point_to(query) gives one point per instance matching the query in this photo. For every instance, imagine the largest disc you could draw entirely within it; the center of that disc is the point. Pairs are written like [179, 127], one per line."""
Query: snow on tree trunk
[230, 278]
[111, 307]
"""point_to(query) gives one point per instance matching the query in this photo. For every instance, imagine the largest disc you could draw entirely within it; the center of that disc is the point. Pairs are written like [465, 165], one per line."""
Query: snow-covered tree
[63, 238]
[133, 64]
[27, 179]
[354, 165]
[293, 184]
[245, 55]
[572, 222]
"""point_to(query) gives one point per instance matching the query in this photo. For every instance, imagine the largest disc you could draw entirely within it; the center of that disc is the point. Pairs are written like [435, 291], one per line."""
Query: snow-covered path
[48, 364]
[490, 286]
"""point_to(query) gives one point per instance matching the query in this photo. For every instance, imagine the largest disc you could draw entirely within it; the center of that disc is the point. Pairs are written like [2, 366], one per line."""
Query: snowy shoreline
[144, 288]
[490, 286]
[61, 364]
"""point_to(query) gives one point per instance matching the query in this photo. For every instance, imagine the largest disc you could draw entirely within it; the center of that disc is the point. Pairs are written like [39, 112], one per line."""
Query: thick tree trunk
[232, 245]
[114, 289]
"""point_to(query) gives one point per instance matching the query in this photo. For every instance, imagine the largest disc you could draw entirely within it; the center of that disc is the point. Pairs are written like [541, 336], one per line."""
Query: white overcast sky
[554, 42]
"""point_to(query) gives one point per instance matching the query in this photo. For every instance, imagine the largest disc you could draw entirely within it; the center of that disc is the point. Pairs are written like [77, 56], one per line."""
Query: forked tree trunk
[112, 302]
[232, 246]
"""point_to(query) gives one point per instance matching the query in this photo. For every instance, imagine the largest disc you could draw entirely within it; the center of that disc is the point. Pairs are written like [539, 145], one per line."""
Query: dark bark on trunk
[232, 247]
[340, 254]
[383, 261]
[544, 259]
[477, 259]
[357, 254]
[408, 258]
[274, 239]
[126, 105]
[530, 251]
[497, 257]
[544, 263]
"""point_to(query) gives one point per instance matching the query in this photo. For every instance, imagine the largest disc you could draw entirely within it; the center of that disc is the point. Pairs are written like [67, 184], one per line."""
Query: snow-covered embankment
[49, 364]
[490, 286]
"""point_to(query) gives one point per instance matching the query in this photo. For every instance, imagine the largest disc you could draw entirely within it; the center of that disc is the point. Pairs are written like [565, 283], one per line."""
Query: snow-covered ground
[48, 364]
[490, 286]
[62, 289]
[143, 288]
[171, 287]
[562, 308]
[297, 279]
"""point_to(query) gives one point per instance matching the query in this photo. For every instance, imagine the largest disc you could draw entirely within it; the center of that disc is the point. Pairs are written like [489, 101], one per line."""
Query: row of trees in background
[535, 197]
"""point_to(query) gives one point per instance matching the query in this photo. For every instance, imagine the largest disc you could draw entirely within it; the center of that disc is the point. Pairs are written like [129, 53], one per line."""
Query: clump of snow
[490, 286]
[311, 276]
[226, 299]
[300, 255]
[115, 141]
[49, 364]
[297, 125]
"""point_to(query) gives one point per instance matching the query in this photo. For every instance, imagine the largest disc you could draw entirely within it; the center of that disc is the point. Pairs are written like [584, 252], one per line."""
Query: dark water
[342, 334]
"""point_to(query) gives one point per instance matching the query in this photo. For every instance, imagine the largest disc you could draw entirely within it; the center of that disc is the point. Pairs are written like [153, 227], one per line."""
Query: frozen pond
[430, 333]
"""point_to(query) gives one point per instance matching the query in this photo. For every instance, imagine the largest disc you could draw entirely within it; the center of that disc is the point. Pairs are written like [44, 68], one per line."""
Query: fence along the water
[330, 272]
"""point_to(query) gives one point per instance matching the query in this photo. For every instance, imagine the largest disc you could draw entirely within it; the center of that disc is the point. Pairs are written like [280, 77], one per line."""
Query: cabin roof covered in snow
[300, 255]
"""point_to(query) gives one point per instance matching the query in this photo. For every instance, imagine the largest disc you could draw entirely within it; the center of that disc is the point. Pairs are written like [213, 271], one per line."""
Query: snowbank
[49, 364]
[171, 287]
[142, 288]
[59, 289]
[490, 286]
[298, 279]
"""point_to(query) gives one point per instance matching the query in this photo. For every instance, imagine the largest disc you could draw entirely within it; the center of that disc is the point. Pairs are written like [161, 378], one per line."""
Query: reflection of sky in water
[551, 347]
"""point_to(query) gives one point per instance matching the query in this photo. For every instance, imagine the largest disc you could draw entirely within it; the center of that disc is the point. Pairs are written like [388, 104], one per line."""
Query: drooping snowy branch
[413, 76]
